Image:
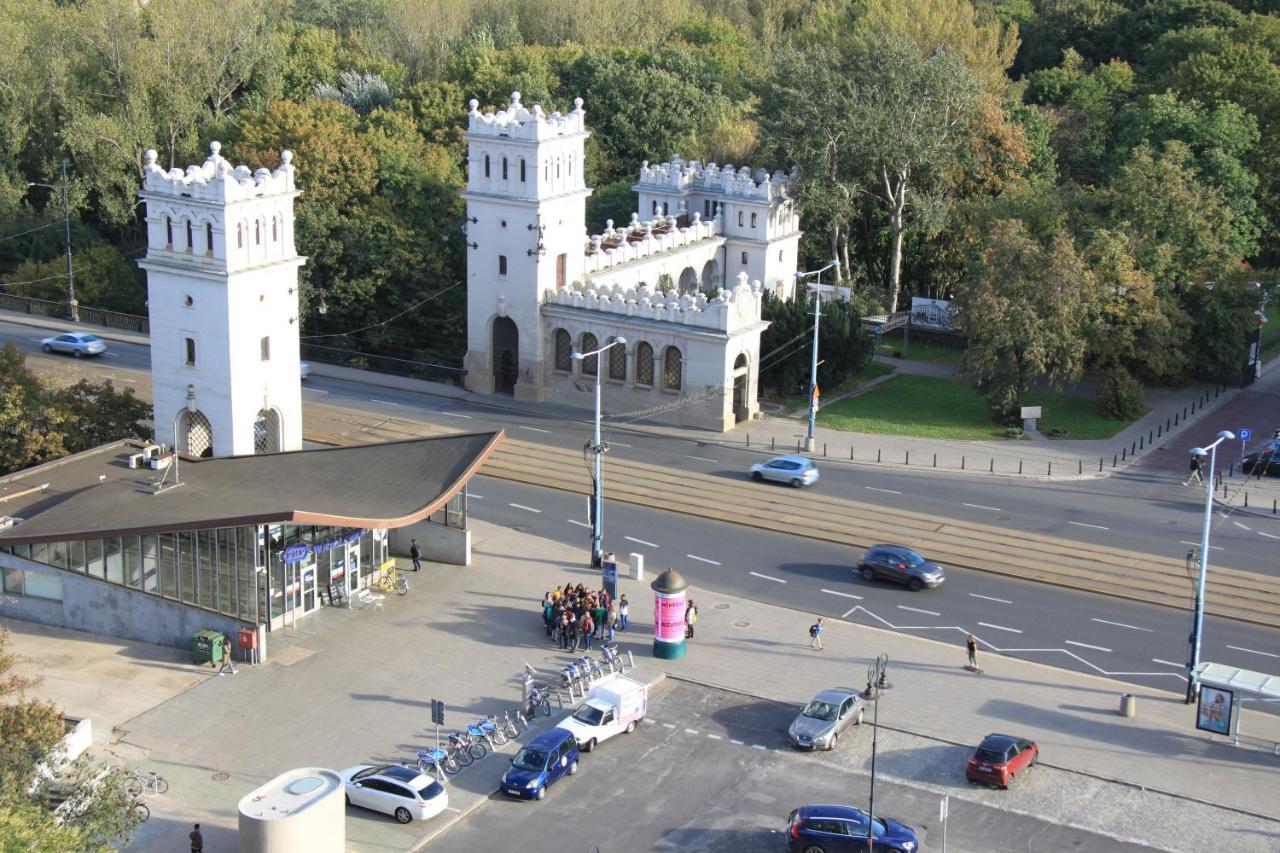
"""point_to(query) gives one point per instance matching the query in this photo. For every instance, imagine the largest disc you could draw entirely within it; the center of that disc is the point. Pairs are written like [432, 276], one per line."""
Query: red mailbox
[248, 638]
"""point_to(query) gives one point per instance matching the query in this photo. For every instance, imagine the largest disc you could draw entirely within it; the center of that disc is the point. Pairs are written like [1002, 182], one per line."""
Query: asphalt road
[729, 784]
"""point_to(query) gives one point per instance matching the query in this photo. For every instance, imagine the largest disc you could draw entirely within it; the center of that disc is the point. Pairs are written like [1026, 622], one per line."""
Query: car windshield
[911, 558]
[989, 756]
[589, 715]
[820, 710]
[530, 759]
[432, 790]
[89, 339]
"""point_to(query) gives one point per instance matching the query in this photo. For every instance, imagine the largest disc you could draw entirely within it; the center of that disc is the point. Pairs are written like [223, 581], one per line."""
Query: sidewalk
[356, 686]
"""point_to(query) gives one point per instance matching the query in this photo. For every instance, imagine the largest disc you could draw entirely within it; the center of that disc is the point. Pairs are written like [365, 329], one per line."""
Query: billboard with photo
[1214, 711]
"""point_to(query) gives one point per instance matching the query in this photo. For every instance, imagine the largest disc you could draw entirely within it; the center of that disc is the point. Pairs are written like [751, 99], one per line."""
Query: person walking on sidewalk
[415, 554]
[815, 635]
[971, 646]
[197, 840]
[690, 619]
[1195, 471]
[623, 609]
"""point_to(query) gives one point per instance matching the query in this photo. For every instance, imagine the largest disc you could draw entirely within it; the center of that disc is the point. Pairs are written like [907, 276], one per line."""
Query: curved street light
[1197, 621]
[597, 488]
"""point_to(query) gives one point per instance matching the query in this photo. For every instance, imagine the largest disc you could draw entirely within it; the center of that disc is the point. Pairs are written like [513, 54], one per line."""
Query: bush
[1013, 432]
[1121, 395]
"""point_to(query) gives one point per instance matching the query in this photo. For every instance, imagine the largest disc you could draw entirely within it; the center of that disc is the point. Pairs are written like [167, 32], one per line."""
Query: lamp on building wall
[541, 248]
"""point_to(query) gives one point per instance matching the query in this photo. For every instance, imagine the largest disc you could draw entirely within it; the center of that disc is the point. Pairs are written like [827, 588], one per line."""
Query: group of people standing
[575, 616]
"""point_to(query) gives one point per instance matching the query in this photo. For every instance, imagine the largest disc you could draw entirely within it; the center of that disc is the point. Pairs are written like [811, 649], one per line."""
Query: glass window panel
[187, 567]
[44, 586]
[169, 565]
[132, 562]
[115, 560]
[75, 556]
[227, 571]
[277, 586]
[151, 563]
[94, 558]
[206, 569]
[58, 555]
[40, 552]
[23, 551]
[13, 581]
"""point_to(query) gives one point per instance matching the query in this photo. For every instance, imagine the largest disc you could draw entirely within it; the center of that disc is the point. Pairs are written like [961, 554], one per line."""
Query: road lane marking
[456, 415]
[383, 402]
[668, 726]
[1268, 535]
[845, 615]
[1169, 663]
[1197, 544]
[475, 497]
[989, 598]
[700, 458]
[691, 731]
[980, 506]
[758, 746]
[714, 737]
[535, 429]
[887, 491]
[1086, 646]
[841, 594]
[617, 444]
[1253, 651]
[1094, 526]
[1000, 627]
[315, 390]
[1121, 625]
[918, 610]
[526, 508]
[736, 742]
[768, 577]
[1242, 526]
[579, 523]
[640, 541]
[701, 559]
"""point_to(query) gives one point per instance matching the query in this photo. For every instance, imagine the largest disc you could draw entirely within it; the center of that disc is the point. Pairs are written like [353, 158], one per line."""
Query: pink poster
[668, 617]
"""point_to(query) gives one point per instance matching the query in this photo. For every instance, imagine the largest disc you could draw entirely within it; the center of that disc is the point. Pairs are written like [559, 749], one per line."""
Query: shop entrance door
[353, 566]
[308, 590]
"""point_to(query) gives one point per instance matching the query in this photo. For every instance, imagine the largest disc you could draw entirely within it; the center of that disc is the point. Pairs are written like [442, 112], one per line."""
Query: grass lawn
[1271, 336]
[918, 350]
[940, 408]
[870, 370]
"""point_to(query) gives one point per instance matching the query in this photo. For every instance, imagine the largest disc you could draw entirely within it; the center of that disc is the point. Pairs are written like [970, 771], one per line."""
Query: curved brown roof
[371, 485]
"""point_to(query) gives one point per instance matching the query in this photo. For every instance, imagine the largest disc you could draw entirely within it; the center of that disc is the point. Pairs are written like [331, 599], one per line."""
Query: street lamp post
[813, 375]
[1197, 622]
[73, 307]
[877, 683]
[597, 487]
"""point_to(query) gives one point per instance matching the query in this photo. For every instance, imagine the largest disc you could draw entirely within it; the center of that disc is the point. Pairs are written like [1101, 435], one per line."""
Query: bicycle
[483, 735]
[434, 759]
[140, 811]
[537, 701]
[151, 782]
[468, 749]
[496, 733]
[509, 725]
[393, 581]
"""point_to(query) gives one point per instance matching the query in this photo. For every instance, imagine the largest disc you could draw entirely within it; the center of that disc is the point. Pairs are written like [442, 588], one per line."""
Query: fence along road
[1233, 594]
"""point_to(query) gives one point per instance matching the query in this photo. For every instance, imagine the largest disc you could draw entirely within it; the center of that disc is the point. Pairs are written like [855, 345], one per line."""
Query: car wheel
[76, 353]
[757, 476]
[1009, 782]
[813, 848]
[797, 483]
[47, 348]
[835, 736]
[573, 768]
[403, 815]
[915, 585]
[868, 573]
[857, 721]
[542, 793]
[589, 745]
[631, 727]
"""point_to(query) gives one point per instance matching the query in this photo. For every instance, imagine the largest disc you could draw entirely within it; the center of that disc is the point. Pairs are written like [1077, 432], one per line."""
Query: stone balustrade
[216, 180]
[723, 311]
[659, 235]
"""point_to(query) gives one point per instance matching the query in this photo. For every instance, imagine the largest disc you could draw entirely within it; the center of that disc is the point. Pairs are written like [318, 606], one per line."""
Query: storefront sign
[296, 553]
[1216, 707]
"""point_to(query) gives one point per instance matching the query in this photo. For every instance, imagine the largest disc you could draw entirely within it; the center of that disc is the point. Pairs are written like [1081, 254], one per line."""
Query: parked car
[900, 564]
[77, 343]
[405, 793]
[1264, 460]
[304, 370]
[614, 704]
[999, 758]
[796, 471]
[543, 761]
[825, 717]
[834, 829]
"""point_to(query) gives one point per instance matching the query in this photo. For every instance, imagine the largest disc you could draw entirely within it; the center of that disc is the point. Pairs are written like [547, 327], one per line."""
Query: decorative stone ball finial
[474, 105]
[577, 104]
[151, 156]
[286, 156]
[515, 99]
[215, 147]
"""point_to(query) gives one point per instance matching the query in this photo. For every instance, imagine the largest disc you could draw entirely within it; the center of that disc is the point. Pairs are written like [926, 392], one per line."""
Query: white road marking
[1242, 526]
[668, 726]
[618, 444]
[1169, 663]
[1000, 627]
[526, 508]
[737, 742]
[714, 737]
[701, 559]
[1082, 524]
[888, 491]
[841, 594]
[1086, 646]
[640, 541]
[475, 497]
[456, 415]
[758, 746]
[918, 610]
[700, 458]
[1211, 547]
[980, 506]
[1121, 625]
[1268, 535]
[315, 390]
[1253, 651]
[691, 731]
[768, 577]
[579, 523]
[535, 429]
[383, 402]
[989, 598]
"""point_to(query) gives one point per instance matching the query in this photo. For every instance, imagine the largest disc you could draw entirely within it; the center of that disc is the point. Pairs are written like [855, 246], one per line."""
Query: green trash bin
[208, 647]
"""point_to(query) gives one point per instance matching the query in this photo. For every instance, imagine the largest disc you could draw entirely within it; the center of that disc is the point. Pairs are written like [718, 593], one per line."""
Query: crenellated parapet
[517, 122]
[216, 180]
[725, 310]
[639, 240]
[692, 175]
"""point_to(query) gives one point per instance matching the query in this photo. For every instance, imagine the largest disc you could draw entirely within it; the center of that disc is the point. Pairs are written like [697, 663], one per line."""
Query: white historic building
[682, 282]
[222, 291]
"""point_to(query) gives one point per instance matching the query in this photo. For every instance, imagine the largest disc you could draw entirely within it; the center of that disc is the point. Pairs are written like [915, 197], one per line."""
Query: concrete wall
[438, 543]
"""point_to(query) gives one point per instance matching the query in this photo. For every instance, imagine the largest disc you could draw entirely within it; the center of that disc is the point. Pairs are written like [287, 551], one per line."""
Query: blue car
[543, 760]
[835, 829]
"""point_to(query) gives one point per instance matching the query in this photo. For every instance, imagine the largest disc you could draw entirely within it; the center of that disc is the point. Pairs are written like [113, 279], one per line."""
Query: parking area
[711, 771]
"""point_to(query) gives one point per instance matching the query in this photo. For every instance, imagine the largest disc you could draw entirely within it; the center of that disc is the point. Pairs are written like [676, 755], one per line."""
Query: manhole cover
[720, 605]
[741, 624]
[221, 776]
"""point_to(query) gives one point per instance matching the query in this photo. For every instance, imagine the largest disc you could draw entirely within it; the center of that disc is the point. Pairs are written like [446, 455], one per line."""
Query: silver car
[77, 343]
[825, 717]
[795, 470]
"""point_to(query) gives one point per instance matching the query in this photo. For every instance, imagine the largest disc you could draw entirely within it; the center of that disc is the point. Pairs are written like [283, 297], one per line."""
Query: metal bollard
[877, 454]
[850, 454]
[1080, 462]
[908, 462]
[1159, 430]
[748, 439]
[1166, 424]
[1133, 448]
[935, 460]
[1141, 443]
[797, 445]
[1273, 506]
[993, 465]
[1246, 499]
[1050, 469]
[1019, 466]
[962, 462]
[1150, 437]
[773, 442]
[1175, 418]
[1123, 452]
[824, 448]
[1193, 407]
[1114, 460]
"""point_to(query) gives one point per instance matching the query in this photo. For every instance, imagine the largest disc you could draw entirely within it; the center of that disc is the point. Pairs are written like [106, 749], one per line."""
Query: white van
[614, 704]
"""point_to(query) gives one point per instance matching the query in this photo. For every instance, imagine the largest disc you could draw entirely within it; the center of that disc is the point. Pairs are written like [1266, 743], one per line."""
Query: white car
[405, 793]
[796, 471]
[78, 344]
[304, 370]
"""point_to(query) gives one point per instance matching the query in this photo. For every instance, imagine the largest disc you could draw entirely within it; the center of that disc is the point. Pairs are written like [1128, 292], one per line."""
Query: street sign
[610, 572]
[1245, 434]
[1030, 412]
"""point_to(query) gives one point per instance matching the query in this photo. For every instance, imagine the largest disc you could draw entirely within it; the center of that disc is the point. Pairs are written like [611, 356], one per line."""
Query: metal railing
[383, 363]
[93, 316]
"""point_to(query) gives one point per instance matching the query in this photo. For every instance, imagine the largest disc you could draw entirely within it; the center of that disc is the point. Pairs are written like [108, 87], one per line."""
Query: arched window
[753, 220]
[486, 165]
[644, 364]
[590, 364]
[240, 236]
[564, 351]
[266, 432]
[618, 362]
[655, 208]
[275, 229]
[739, 218]
[208, 238]
[522, 170]
[257, 233]
[504, 168]
[168, 233]
[191, 239]
[195, 434]
[672, 368]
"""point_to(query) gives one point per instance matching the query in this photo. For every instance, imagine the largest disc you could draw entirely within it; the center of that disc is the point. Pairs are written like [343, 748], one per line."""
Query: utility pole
[813, 373]
[73, 307]
[1197, 620]
[598, 447]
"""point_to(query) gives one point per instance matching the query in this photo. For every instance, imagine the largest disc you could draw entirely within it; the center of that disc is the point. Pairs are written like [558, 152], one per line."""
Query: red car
[999, 758]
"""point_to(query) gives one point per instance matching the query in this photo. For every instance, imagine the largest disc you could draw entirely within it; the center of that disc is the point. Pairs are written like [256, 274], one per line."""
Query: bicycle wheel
[463, 756]
[402, 586]
[546, 707]
[450, 765]
[499, 737]
[478, 750]
[140, 812]
[160, 785]
[133, 787]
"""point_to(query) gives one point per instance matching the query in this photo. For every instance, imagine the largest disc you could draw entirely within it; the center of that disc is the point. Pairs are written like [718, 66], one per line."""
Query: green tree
[95, 413]
[785, 367]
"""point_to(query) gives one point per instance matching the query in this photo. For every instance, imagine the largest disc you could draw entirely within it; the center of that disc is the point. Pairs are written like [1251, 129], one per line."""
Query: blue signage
[610, 572]
[1246, 434]
[296, 553]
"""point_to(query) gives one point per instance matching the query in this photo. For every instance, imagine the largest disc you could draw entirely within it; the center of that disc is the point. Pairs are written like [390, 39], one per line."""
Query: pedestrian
[228, 664]
[613, 620]
[690, 618]
[815, 635]
[564, 628]
[601, 612]
[415, 554]
[575, 631]
[1195, 471]
[548, 613]
[623, 609]
[197, 840]
[588, 629]
[971, 646]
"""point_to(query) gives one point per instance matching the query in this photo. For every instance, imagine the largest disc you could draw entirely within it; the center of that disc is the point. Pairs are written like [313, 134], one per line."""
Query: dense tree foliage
[787, 345]
[1142, 138]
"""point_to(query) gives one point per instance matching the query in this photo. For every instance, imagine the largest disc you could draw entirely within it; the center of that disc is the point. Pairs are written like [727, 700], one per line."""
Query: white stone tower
[526, 237]
[222, 290]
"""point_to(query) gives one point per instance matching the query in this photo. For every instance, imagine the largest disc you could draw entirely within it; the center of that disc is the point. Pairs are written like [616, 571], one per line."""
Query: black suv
[900, 564]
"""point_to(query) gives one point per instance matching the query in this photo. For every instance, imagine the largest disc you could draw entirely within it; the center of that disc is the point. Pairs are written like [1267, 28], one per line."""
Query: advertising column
[668, 615]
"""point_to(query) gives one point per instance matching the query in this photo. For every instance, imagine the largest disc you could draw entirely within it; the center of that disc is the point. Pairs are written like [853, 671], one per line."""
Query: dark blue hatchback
[543, 760]
[835, 829]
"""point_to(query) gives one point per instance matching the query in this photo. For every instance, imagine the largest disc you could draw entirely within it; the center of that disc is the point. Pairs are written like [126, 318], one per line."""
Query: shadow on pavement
[716, 840]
